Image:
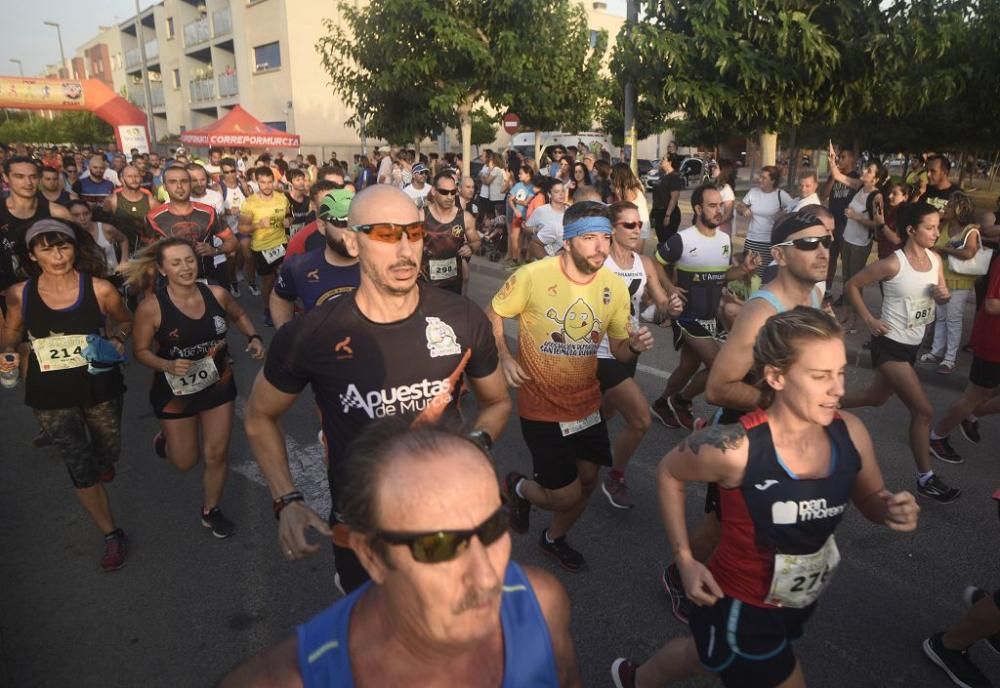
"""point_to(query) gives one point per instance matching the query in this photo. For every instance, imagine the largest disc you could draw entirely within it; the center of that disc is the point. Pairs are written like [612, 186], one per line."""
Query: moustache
[404, 263]
[478, 597]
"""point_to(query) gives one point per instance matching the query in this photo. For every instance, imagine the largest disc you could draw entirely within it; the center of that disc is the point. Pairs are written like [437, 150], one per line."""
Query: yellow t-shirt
[274, 210]
[561, 323]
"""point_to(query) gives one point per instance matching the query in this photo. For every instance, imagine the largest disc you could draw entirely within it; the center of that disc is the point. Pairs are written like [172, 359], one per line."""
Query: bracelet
[253, 337]
[279, 503]
[633, 350]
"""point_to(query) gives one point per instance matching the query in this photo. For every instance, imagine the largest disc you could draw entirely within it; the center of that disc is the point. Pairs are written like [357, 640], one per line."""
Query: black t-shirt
[13, 252]
[938, 198]
[841, 196]
[667, 184]
[361, 371]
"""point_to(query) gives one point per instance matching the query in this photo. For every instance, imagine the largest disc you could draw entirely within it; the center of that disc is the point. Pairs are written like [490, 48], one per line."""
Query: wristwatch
[482, 438]
[284, 500]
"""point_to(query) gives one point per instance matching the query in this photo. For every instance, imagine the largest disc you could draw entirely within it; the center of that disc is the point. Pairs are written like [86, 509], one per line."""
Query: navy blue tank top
[324, 658]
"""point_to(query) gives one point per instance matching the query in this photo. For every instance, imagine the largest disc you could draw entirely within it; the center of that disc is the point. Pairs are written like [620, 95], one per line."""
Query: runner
[201, 192]
[73, 385]
[95, 187]
[322, 274]
[786, 473]
[265, 217]
[392, 347]
[701, 258]
[451, 237]
[460, 610]
[913, 282]
[617, 380]
[564, 307]
[299, 201]
[112, 243]
[53, 189]
[193, 385]
[182, 218]
[234, 191]
[129, 206]
[309, 238]
[950, 649]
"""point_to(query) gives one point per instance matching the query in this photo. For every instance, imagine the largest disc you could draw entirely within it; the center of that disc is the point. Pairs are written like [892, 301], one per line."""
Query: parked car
[693, 171]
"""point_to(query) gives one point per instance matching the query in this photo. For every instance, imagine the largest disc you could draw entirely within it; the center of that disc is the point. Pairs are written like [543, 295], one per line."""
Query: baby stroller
[493, 232]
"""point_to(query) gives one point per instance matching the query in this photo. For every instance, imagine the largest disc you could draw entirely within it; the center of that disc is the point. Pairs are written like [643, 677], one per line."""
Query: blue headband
[587, 225]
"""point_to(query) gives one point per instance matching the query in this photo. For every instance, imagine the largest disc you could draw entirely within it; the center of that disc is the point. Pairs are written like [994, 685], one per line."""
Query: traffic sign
[511, 123]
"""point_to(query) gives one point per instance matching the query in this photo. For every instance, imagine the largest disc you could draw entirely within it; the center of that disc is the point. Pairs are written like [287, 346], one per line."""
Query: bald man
[393, 347]
[130, 204]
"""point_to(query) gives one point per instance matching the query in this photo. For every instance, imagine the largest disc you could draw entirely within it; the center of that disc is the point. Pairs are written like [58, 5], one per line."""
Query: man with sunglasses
[418, 189]
[451, 237]
[322, 274]
[393, 347]
[446, 604]
[801, 251]
[564, 305]
[234, 191]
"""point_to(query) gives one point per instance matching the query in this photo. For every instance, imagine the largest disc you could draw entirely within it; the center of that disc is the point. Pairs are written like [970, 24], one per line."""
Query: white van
[525, 141]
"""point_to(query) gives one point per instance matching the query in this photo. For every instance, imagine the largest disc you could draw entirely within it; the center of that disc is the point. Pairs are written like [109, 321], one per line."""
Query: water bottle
[8, 379]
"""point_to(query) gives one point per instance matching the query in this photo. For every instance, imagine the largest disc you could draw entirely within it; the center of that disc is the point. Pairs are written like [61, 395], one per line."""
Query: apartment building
[205, 56]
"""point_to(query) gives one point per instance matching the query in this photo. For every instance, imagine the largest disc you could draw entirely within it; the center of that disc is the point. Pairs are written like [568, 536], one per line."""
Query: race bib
[201, 375]
[919, 310]
[273, 254]
[443, 269]
[294, 229]
[800, 578]
[60, 353]
[575, 426]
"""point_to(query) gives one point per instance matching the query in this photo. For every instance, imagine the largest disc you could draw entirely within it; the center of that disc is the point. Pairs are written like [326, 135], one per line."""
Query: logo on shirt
[790, 512]
[313, 275]
[343, 349]
[220, 324]
[578, 324]
[553, 290]
[174, 333]
[507, 287]
[414, 398]
[766, 484]
[441, 339]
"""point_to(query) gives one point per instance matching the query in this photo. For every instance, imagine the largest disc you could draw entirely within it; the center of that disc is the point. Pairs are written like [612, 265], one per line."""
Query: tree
[65, 127]
[411, 68]
[484, 127]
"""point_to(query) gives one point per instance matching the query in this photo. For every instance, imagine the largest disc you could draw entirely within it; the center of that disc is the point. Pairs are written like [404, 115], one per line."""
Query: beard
[338, 246]
[804, 275]
[372, 273]
[583, 264]
[708, 222]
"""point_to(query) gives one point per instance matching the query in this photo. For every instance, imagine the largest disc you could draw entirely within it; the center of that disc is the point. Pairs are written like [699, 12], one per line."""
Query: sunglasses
[629, 225]
[809, 243]
[391, 233]
[446, 192]
[445, 545]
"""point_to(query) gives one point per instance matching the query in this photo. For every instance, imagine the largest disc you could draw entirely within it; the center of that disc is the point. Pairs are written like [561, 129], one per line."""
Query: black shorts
[984, 373]
[554, 457]
[698, 329]
[88, 438]
[611, 372]
[263, 267]
[747, 646]
[885, 350]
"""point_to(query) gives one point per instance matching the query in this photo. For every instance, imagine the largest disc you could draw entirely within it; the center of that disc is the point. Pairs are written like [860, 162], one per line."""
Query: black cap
[796, 222]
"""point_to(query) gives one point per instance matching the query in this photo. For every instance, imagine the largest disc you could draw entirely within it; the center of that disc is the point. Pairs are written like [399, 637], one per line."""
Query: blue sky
[24, 37]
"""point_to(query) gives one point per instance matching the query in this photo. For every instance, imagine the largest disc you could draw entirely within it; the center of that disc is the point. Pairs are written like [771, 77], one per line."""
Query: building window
[280, 126]
[267, 57]
[170, 27]
[176, 76]
[593, 37]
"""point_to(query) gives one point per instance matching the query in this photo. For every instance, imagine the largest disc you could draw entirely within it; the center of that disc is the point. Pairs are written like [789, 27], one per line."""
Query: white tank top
[908, 303]
[107, 247]
[635, 279]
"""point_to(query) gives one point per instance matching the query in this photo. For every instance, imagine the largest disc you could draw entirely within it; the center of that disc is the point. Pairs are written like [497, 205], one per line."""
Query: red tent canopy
[240, 128]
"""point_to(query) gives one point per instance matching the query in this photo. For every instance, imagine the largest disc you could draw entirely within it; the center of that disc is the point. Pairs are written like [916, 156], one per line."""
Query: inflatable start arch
[91, 95]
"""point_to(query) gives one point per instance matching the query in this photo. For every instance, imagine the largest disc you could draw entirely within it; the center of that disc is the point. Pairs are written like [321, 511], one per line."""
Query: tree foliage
[65, 127]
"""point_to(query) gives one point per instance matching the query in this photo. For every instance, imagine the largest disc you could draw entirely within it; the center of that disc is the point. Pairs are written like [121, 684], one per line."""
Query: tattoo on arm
[721, 437]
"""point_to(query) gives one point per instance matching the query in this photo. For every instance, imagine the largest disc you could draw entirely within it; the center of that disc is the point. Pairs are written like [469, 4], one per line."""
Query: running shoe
[680, 605]
[252, 286]
[971, 596]
[943, 451]
[115, 549]
[938, 490]
[234, 289]
[40, 440]
[955, 663]
[970, 430]
[617, 493]
[520, 508]
[221, 526]
[682, 411]
[623, 673]
[160, 445]
[662, 412]
[568, 558]
[267, 319]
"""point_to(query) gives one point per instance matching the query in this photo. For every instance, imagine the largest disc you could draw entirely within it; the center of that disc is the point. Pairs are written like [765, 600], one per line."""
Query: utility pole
[20, 65]
[631, 18]
[62, 53]
[145, 78]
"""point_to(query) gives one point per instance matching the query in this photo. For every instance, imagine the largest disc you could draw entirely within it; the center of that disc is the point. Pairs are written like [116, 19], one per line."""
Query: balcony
[138, 97]
[197, 32]
[222, 22]
[133, 57]
[228, 86]
[202, 90]
[152, 50]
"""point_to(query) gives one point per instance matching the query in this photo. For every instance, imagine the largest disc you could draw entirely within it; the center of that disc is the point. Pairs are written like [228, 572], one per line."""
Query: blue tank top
[763, 293]
[324, 659]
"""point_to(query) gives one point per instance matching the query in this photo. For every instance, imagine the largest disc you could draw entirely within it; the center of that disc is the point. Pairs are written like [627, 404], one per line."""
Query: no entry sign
[511, 123]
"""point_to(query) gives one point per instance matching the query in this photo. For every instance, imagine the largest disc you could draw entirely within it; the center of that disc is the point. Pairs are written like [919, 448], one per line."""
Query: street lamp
[20, 65]
[62, 53]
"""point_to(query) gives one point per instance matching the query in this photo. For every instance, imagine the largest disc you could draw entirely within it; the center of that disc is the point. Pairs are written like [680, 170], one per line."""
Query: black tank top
[441, 266]
[13, 252]
[182, 337]
[64, 388]
[129, 217]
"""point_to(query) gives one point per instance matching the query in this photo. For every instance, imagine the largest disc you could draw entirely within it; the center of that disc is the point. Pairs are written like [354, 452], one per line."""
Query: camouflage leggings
[88, 438]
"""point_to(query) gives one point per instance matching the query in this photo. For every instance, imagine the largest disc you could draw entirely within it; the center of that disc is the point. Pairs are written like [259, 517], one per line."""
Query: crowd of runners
[362, 267]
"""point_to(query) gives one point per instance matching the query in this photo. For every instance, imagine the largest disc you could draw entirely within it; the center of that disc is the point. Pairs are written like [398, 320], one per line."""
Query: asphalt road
[187, 606]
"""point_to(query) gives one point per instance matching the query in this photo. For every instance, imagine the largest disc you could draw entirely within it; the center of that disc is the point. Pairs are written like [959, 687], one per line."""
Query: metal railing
[222, 21]
[202, 90]
[197, 32]
[132, 58]
[228, 85]
[152, 50]
[138, 97]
